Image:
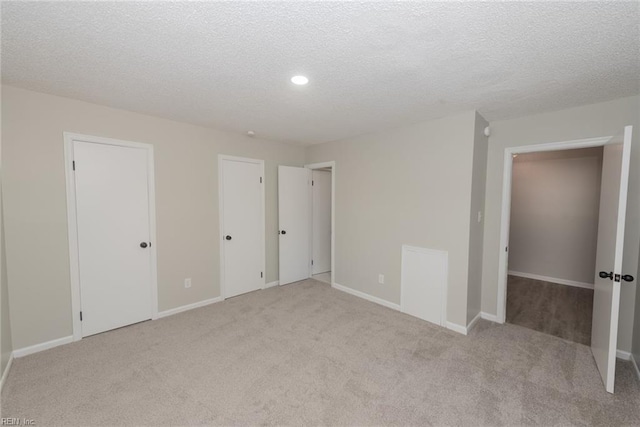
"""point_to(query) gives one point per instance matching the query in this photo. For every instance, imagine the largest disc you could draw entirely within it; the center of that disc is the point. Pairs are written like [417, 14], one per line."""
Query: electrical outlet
[479, 216]
[187, 283]
[381, 279]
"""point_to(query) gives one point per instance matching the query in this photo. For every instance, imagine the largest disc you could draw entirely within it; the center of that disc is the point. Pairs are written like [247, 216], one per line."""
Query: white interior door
[113, 229]
[294, 228]
[321, 218]
[242, 226]
[606, 300]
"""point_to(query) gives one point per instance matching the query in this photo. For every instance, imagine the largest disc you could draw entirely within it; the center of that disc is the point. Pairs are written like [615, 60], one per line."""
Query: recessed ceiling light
[299, 80]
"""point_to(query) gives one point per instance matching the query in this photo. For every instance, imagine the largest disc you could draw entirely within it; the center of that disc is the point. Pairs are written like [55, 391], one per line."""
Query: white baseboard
[452, 326]
[456, 328]
[271, 284]
[21, 352]
[368, 297]
[25, 351]
[5, 374]
[635, 365]
[489, 317]
[551, 279]
[623, 355]
[464, 330]
[473, 322]
[187, 307]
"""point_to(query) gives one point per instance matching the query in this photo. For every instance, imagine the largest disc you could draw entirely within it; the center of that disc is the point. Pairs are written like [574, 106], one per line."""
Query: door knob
[228, 237]
[605, 275]
[283, 232]
[609, 275]
[143, 245]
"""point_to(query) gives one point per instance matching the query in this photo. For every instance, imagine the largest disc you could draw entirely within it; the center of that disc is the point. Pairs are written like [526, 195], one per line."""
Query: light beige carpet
[306, 354]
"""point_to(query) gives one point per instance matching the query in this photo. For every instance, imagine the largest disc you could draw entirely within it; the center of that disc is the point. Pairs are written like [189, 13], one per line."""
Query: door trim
[332, 165]
[72, 222]
[221, 158]
[505, 219]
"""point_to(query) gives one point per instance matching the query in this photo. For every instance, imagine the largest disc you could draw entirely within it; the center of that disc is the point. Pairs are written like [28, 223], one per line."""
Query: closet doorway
[609, 276]
[306, 218]
[321, 223]
[553, 237]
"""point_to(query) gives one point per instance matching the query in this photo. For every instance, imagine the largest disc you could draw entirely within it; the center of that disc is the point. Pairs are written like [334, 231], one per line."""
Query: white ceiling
[371, 65]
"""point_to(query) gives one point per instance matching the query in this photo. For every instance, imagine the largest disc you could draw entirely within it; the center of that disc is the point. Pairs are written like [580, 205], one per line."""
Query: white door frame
[72, 222]
[506, 204]
[221, 158]
[332, 165]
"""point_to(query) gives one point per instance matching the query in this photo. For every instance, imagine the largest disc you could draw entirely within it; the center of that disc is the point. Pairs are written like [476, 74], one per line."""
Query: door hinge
[506, 248]
[312, 183]
[81, 316]
[261, 274]
[311, 262]
[74, 164]
[260, 180]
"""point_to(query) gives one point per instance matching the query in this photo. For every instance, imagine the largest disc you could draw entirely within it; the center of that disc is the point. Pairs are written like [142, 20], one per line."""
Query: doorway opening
[322, 221]
[553, 237]
[306, 223]
[321, 224]
[610, 241]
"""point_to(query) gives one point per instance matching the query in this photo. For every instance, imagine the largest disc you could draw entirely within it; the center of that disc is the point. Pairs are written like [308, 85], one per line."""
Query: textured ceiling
[371, 65]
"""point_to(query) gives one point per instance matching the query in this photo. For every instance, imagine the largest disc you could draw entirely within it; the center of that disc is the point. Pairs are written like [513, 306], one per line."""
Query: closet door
[609, 257]
[113, 229]
[242, 225]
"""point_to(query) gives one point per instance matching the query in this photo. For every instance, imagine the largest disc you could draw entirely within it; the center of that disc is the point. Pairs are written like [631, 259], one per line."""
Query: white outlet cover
[381, 279]
[187, 283]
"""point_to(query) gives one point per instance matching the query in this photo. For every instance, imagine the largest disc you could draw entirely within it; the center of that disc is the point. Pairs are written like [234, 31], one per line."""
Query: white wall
[186, 203]
[555, 202]
[6, 343]
[602, 119]
[476, 228]
[412, 186]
